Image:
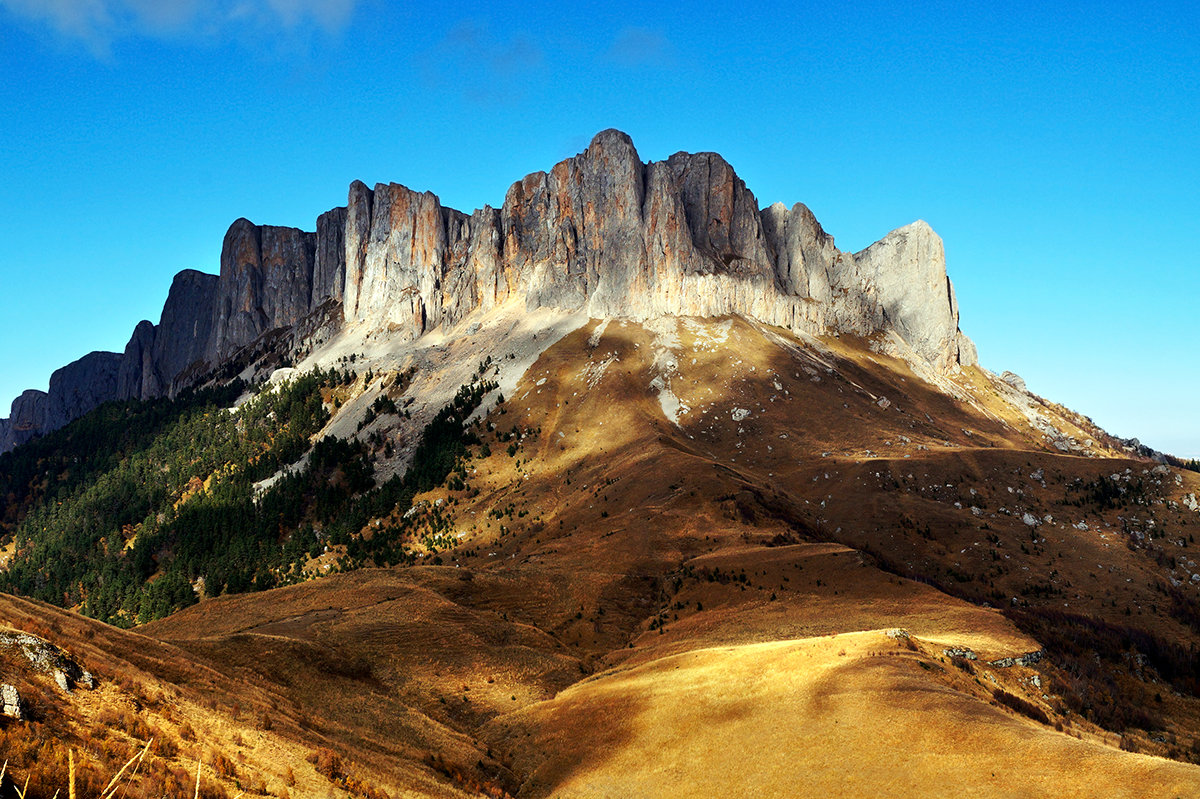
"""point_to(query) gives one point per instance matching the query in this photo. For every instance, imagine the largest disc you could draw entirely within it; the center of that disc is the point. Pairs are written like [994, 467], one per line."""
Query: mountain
[627, 488]
[601, 233]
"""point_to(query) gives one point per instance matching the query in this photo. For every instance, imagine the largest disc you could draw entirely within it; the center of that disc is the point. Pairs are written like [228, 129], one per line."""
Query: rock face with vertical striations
[265, 283]
[137, 376]
[605, 233]
[329, 267]
[26, 419]
[182, 334]
[601, 232]
[80, 386]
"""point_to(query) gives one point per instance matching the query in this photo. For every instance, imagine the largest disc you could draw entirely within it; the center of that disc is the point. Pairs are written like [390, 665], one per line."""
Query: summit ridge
[602, 233]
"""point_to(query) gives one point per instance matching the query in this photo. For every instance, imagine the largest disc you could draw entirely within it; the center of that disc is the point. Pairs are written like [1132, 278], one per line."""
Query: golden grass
[662, 609]
[845, 715]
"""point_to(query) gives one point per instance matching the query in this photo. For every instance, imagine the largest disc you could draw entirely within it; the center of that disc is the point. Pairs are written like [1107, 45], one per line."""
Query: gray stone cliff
[80, 386]
[605, 233]
[601, 232]
[26, 419]
[265, 283]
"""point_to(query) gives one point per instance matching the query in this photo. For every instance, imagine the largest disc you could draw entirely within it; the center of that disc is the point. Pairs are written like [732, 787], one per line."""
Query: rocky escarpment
[47, 658]
[602, 232]
[74, 390]
[605, 233]
[271, 277]
[26, 419]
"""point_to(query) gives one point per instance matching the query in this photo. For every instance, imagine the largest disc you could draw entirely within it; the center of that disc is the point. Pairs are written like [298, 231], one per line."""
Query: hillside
[628, 487]
[600, 567]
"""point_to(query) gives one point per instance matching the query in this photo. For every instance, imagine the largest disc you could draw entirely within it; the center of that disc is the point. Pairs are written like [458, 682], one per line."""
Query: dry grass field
[680, 569]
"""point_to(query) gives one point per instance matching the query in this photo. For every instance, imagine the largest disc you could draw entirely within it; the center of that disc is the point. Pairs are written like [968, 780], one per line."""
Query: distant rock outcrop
[601, 232]
[138, 377]
[26, 419]
[182, 334]
[80, 386]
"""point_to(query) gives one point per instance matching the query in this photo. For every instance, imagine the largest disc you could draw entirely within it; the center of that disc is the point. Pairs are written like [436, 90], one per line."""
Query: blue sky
[1055, 147]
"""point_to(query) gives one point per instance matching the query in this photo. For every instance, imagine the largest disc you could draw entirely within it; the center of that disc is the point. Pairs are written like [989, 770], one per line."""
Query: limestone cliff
[605, 233]
[26, 419]
[182, 334]
[80, 386]
[265, 283]
[601, 232]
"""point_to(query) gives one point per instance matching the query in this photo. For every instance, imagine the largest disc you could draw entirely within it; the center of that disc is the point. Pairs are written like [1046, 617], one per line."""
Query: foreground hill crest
[602, 233]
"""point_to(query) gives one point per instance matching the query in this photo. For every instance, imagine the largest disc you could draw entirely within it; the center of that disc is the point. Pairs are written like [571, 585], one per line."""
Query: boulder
[11, 704]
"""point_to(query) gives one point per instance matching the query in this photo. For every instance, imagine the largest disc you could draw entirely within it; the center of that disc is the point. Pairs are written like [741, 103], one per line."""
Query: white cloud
[99, 23]
[329, 14]
[74, 18]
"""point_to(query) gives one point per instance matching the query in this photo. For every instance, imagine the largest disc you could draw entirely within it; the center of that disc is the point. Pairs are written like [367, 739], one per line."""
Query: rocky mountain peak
[601, 232]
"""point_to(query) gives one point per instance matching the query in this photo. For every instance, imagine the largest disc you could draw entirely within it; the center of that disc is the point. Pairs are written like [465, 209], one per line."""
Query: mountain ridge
[601, 232]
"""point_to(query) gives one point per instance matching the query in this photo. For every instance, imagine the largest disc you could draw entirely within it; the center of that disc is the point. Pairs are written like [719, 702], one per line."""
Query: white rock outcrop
[606, 234]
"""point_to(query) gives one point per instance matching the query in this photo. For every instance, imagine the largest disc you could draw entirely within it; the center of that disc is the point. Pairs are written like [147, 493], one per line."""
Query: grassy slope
[600, 638]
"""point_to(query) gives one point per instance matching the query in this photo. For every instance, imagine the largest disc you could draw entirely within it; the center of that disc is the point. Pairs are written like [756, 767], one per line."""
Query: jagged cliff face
[602, 232]
[605, 233]
[266, 283]
[26, 420]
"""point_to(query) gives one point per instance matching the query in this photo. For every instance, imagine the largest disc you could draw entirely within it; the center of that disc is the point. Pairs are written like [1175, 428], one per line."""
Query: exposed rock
[80, 386]
[26, 420]
[601, 232]
[359, 207]
[137, 377]
[605, 233]
[1028, 659]
[11, 704]
[153, 358]
[185, 326]
[905, 274]
[960, 652]
[266, 282]
[1014, 380]
[49, 659]
[968, 354]
[329, 267]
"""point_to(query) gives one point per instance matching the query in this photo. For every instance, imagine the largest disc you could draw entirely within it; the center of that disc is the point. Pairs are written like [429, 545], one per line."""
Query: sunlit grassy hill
[685, 557]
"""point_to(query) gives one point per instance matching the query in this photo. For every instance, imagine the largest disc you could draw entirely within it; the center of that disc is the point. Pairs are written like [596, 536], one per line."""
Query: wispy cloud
[100, 23]
[486, 69]
[641, 47]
